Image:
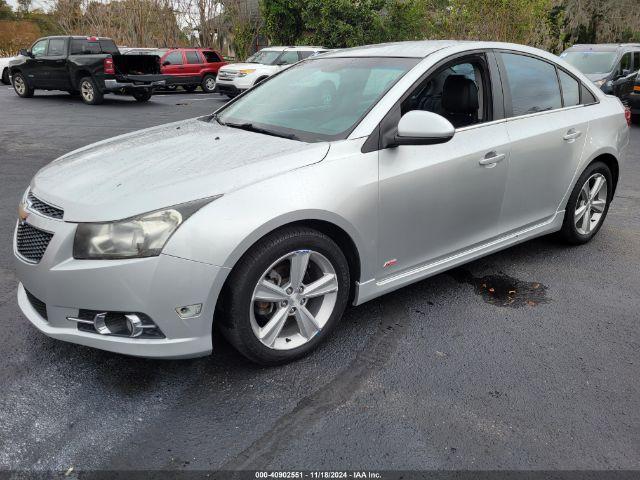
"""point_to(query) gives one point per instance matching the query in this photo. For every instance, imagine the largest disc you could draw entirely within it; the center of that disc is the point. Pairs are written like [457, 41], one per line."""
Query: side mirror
[25, 53]
[419, 127]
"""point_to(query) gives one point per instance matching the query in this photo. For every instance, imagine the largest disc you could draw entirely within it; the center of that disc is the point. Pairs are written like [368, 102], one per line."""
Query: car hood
[244, 66]
[164, 166]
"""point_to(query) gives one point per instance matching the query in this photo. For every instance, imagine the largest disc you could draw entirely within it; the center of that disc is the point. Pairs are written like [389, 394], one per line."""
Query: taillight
[108, 66]
[627, 115]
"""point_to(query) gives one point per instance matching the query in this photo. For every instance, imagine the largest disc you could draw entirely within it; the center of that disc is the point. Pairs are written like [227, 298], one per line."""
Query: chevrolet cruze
[342, 178]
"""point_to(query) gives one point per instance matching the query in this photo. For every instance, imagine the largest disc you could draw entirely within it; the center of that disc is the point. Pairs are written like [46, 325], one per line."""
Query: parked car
[188, 68]
[4, 69]
[88, 66]
[634, 101]
[612, 67]
[273, 214]
[238, 77]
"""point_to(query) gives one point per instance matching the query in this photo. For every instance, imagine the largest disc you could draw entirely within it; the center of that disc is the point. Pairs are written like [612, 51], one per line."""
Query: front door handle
[491, 158]
[572, 135]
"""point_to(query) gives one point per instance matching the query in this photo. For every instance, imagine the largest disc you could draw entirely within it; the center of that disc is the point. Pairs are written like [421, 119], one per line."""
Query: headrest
[459, 95]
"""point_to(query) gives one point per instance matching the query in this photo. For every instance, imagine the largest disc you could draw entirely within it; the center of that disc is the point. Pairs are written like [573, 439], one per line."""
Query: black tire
[231, 95]
[21, 86]
[569, 232]
[234, 307]
[635, 118]
[5, 76]
[208, 83]
[142, 96]
[171, 88]
[89, 91]
[189, 88]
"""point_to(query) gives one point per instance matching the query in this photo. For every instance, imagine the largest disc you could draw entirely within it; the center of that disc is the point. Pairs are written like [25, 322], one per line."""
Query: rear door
[193, 65]
[55, 65]
[547, 132]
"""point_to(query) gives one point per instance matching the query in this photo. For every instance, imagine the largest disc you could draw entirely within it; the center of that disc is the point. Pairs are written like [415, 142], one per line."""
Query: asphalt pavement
[445, 374]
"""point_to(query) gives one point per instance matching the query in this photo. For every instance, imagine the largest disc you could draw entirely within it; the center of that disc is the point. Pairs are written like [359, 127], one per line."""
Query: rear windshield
[590, 62]
[84, 46]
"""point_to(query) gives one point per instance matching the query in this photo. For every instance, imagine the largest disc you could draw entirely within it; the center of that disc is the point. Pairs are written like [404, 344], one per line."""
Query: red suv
[187, 67]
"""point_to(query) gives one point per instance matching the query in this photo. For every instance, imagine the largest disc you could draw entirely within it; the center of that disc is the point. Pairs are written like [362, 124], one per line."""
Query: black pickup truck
[85, 66]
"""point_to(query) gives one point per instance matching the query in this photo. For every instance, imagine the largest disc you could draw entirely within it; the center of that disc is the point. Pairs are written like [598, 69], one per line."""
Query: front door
[55, 64]
[34, 67]
[439, 200]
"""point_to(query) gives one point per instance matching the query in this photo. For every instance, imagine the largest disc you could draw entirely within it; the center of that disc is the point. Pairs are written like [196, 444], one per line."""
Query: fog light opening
[189, 311]
[134, 325]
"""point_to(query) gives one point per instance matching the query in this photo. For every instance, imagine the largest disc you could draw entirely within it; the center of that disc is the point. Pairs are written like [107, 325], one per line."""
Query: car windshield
[590, 62]
[316, 100]
[265, 57]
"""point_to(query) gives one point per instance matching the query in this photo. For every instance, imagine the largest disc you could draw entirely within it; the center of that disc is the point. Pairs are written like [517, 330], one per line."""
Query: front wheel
[285, 296]
[21, 86]
[208, 83]
[89, 92]
[588, 204]
[142, 96]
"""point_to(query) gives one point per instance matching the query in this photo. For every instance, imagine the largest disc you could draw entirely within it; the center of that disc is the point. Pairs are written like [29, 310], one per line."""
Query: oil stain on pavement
[502, 290]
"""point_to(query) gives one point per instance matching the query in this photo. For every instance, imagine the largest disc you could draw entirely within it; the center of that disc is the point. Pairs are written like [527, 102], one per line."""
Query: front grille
[44, 208]
[38, 305]
[32, 242]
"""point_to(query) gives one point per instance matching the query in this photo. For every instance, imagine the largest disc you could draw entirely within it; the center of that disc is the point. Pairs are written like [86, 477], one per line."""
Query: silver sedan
[342, 178]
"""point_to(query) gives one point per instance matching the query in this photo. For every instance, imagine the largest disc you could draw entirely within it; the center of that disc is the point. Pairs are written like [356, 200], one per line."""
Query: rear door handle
[572, 135]
[491, 158]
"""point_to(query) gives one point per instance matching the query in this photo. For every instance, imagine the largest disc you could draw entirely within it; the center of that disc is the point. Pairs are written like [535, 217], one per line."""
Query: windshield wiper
[217, 119]
[251, 128]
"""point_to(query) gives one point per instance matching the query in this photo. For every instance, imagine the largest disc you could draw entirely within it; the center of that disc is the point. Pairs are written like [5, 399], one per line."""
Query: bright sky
[34, 4]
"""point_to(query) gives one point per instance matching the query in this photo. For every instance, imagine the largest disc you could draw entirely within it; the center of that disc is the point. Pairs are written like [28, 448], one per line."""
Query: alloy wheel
[210, 83]
[591, 204]
[293, 299]
[18, 84]
[86, 89]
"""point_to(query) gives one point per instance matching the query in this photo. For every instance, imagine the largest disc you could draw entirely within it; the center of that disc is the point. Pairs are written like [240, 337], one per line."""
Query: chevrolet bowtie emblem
[22, 211]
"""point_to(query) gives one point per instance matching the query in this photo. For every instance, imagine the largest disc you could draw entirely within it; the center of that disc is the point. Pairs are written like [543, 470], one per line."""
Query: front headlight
[141, 236]
[244, 73]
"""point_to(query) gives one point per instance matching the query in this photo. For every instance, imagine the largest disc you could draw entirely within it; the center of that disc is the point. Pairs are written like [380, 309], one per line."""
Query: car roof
[302, 48]
[603, 47]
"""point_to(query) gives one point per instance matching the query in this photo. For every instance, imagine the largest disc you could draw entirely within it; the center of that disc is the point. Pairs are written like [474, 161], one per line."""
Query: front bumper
[154, 286]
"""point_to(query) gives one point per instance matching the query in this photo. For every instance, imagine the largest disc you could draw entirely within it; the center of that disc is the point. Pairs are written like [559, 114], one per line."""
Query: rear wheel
[89, 92]
[21, 86]
[285, 296]
[208, 83]
[143, 96]
[588, 204]
[635, 118]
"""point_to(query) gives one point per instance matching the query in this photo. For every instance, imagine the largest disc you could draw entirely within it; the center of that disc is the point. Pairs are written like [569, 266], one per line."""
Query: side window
[533, 84]
[82, 46]
[174, 58]
[211, 57]
[39, 48]
[460, 92]
[636, 61]
[288, 57]
[588, 98]
[625, 63]
[570, 89]
[305, 54]
[193, 57]
[56, 47]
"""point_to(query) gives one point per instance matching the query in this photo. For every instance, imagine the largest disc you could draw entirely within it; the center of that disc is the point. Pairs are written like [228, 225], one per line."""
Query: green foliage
[6, 13]
[283, 20]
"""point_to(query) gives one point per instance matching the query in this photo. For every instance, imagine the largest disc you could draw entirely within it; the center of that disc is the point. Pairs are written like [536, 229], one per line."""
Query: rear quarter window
[211, 57]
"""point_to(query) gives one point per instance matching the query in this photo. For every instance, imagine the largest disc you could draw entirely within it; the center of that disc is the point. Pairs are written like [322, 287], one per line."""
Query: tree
[283, 22]
[6, 13]
[342, 23]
